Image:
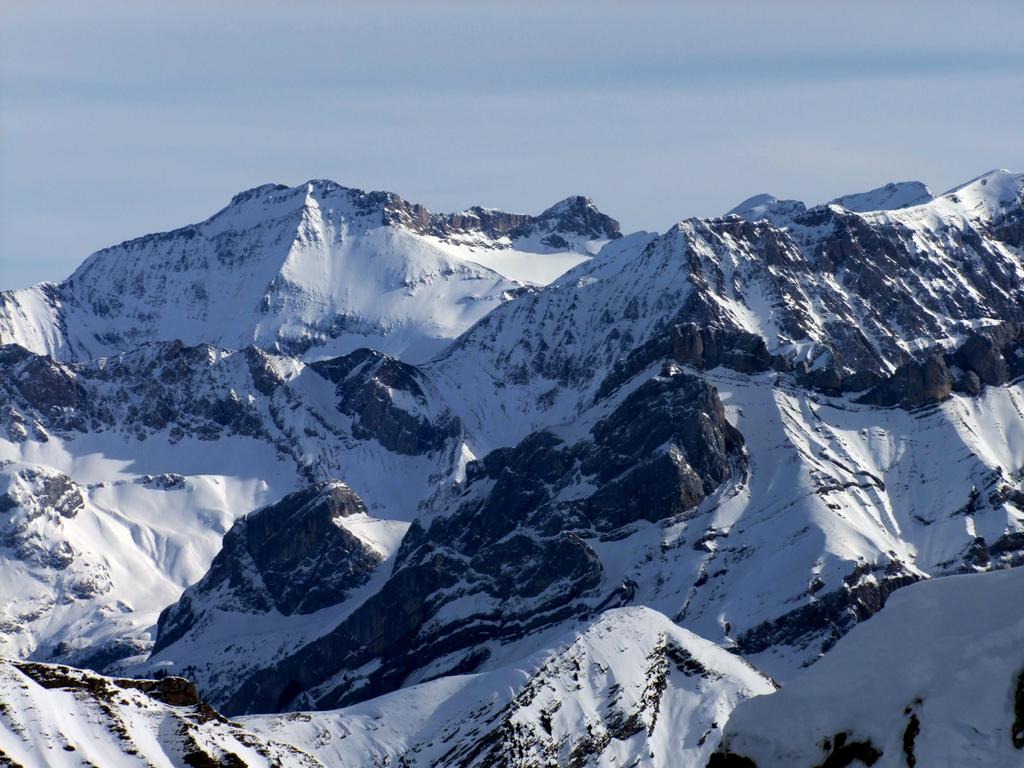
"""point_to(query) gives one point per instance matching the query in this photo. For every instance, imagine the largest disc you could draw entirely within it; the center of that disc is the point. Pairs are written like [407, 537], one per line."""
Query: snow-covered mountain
[628, 688]
[314, 270]
[745, 433]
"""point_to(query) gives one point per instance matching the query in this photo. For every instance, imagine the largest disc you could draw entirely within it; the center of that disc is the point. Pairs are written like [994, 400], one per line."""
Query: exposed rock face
[832, 614]
[39, 380]
[293, 556]
[990, 357]
[166, 386]
[660, 453]
[368, 383]
[575, 215]
[208, 393]
[513, 544]
[844, 300]
[703, 347]
[32, 507]
[913, 384]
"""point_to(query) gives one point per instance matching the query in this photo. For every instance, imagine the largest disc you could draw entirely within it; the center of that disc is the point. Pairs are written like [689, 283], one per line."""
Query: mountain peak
[579, 215]
[572, 203]
[314, 267]
[255, 192]
[891, 196]
[988, 195]
[767, 206]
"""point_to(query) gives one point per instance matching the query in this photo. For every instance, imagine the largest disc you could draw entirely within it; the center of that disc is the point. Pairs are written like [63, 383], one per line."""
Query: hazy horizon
[119, 119]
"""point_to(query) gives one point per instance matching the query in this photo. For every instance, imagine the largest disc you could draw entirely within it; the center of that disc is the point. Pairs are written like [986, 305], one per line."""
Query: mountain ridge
[755, 431]
[316, 268]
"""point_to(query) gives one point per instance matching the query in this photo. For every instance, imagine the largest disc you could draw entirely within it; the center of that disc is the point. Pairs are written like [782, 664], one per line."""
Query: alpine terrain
[329, 479]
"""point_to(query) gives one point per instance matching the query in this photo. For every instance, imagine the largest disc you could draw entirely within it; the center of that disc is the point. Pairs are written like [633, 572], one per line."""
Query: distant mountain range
[481, 489]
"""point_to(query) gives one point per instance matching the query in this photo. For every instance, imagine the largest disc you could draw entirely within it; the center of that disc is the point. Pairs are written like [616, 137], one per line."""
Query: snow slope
[628, 688]
[315, 270]
[84, 580]
[59, 717]
[901, 194]
[119, 478]
[937, 678]
[841, 504]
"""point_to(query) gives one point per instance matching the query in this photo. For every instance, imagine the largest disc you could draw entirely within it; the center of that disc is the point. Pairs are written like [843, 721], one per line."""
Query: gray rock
[364, 383]
[913, 384]
[291, 556]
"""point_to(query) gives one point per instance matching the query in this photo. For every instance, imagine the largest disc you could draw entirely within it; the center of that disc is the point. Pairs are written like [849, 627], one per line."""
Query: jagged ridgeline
[480, 489]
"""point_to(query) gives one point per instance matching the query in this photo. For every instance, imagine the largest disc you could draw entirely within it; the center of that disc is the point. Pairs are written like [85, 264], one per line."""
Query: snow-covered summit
[988, 196]
[900, 194]
[627, 688]
[781, 213]
[766, 206]
[981, 199]
[317, 269]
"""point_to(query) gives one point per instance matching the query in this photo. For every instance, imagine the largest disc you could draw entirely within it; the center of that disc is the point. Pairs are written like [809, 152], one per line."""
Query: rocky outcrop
[34, 504]
[913, 384]
[160, 387]
[992, 356]
[293, 556]
[702, 346]
[830, 615]
[575, 215]
[387, 402]
[208, 393]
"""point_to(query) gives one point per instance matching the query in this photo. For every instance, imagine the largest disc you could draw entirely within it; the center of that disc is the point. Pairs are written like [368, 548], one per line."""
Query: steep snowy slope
[85, 567]
[314, 270]
[841, 505]
[55, 716]
[118, 479]
[513, 549]
[629, 688]
[936, 679]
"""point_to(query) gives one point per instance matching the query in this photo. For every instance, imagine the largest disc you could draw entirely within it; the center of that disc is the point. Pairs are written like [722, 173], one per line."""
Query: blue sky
[123, 118]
